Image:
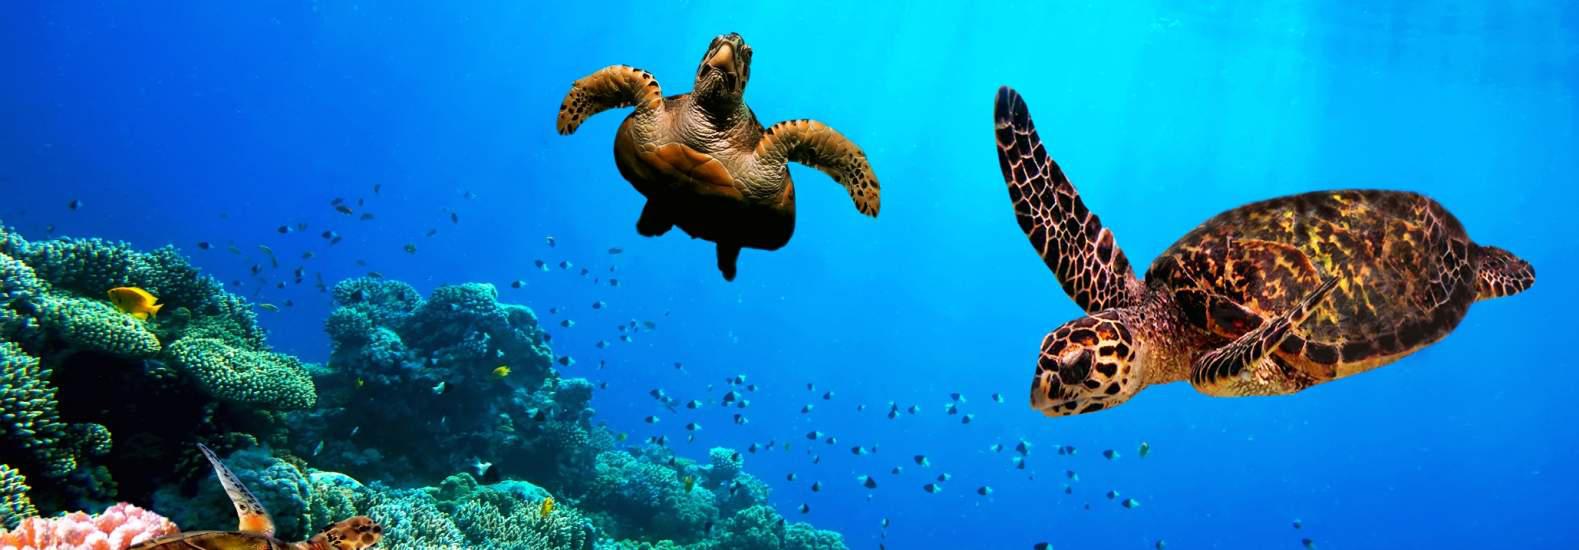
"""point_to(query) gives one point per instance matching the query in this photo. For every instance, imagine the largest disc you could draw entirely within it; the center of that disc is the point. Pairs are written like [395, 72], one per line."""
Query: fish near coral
[135, 302]
[502, 372]
[547, 508]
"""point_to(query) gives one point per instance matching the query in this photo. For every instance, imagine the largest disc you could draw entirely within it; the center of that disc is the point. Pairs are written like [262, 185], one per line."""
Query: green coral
[334, 497]
[261, 378]
[14, 504]
[30, 423]
[525, 527]
[646, 500]
[802, 536]
[94, 325]
[412, 520]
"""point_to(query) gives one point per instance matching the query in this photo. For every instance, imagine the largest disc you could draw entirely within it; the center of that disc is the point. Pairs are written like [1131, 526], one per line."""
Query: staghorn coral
[118, 527]
[96, 326]
[258, 378]
[14, 504]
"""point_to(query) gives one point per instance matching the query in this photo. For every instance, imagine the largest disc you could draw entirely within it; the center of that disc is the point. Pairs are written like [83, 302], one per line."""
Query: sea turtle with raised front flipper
[256, 530]
[1268, 298]
[702, 160]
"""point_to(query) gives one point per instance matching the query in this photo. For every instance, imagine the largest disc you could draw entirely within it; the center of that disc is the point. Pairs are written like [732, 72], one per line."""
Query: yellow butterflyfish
[690, 482]
[548, 506]
[502, 371]
[135, 301]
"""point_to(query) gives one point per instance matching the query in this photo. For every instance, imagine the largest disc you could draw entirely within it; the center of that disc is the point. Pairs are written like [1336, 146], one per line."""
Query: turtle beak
[723, 59]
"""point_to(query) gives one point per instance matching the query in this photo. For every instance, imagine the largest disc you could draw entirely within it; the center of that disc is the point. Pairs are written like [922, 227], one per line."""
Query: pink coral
[118, 528]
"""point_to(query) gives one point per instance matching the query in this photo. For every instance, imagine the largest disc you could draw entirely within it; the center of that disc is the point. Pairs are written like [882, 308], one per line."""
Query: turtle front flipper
[253, 518]
[1247, 366]
[1070, 239]
[608, 88]
[816, 145]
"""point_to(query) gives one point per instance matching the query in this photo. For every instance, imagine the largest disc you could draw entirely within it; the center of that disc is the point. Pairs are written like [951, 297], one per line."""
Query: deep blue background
[221, 121]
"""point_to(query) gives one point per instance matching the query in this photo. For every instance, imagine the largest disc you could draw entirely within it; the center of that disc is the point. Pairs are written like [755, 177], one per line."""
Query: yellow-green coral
[524, 528]
[95, 325]
[260, 378]
[29, 415]
[14, 504]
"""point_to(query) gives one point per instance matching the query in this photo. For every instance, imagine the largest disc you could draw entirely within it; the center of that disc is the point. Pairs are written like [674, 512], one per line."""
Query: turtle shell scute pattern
[1405, 270]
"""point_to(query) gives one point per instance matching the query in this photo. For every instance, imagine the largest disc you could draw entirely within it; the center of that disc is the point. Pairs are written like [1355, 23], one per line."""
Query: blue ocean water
[219, 122]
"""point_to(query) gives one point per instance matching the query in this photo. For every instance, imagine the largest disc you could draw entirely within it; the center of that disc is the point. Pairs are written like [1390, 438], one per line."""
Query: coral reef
[98, 406]
[117, 528]
[417, 383]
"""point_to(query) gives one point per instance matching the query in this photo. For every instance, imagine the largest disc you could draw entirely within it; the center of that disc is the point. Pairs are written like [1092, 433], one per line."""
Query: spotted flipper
[1070, 239]
[254, 519]
[1247, 366]
[816, 145]
[609, 88]
[1499, 273]
[353, 534]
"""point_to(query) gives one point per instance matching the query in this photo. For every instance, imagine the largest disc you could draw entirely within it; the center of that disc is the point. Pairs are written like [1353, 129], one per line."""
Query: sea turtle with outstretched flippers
[702, 160]
[256, 531]
[1268, 298]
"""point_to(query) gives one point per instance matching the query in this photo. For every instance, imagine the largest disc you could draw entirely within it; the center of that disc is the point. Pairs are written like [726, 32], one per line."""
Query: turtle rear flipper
[1223, 372]
[1070, 239]
[816, 145]
[728, 254]
[1499, 273]
[653, 222]
[609, 88]
[253, 518]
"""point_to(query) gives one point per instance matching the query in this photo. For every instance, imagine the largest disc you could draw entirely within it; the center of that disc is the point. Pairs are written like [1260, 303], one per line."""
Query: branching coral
[14, 504]
[30, 423]
[440, 405]
[645, 500]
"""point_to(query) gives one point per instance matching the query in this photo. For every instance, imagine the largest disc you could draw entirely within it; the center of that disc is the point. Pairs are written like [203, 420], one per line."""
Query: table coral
[253, 377]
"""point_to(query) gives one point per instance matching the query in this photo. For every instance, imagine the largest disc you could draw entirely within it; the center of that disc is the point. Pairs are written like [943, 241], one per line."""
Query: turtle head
[1087, 365]
[353, 534]
[722, 75]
